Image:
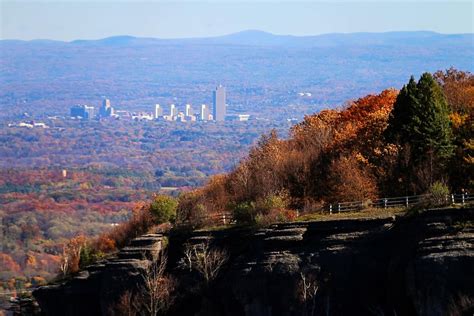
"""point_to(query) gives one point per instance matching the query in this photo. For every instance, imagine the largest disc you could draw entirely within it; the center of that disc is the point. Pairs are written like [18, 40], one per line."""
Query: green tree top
[163, 208]
[420, 118]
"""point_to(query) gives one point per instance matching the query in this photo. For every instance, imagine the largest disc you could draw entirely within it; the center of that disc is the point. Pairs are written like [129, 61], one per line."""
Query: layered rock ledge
[412, 265]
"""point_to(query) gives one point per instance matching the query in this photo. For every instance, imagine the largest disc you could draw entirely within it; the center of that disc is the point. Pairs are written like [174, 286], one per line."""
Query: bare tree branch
[205, 260]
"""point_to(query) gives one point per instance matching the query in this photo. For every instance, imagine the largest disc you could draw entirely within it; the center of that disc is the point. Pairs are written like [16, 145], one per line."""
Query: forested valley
[394, 143]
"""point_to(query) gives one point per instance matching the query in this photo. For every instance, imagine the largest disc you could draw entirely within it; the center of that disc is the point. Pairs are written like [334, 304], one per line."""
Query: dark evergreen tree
[419, 123]
[432, 129]
[401, 119]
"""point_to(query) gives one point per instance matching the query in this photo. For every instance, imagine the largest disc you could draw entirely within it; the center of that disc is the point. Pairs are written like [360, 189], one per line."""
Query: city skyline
[174, 112]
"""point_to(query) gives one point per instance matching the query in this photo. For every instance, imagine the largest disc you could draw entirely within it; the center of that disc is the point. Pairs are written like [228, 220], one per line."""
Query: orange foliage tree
[8, 264]
[70, 259]
[336, 155]
[458, 87]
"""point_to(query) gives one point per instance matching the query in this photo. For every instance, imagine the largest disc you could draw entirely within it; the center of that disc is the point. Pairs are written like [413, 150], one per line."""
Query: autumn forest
[394, 143]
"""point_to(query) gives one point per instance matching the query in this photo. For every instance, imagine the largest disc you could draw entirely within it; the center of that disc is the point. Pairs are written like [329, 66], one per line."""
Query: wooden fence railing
[401, 201]
[383, 203]
[462, 198]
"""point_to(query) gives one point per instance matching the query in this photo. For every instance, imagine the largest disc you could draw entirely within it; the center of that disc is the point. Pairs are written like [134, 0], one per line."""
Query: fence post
[223, 218]
[462, 198]
[385, 203]
[452, 198]
[406, 201]
[330, 208]
[339, 207]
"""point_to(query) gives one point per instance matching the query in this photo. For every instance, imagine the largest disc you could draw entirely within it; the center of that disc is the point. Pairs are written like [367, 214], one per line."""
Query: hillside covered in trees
[83, 178]
[413, 141]
[395, 143]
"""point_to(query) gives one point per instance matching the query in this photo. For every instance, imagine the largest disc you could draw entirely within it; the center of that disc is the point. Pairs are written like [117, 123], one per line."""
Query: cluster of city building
[171, 113]
[89, 112]
[29, 124]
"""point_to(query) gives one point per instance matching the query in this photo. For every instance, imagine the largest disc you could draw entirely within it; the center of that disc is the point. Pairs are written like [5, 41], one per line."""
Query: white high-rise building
[204, 112]
[188, 111]
[218, 98]
[173, 111]
[158, 111]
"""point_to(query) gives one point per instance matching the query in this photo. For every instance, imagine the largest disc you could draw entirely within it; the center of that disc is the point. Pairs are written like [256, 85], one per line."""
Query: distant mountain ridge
[262, 38]
[262, 71]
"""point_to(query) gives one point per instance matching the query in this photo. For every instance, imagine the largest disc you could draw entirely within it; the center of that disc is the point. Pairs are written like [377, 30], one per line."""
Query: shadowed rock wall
[420, 265]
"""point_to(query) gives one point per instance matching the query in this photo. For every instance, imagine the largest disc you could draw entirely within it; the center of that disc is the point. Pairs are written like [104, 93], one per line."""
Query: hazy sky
[68, 20]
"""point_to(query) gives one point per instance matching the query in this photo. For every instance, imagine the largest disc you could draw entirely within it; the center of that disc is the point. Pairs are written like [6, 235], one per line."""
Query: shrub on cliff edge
[163, 209]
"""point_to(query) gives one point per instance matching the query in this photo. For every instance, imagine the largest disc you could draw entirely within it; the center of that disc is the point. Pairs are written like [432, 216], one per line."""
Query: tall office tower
[83, 111]
[78, 111]
[106, 109]
[90, 112]
[218, 98]
[204, 112]
[158, 111]
[173, 111]
[189, 110]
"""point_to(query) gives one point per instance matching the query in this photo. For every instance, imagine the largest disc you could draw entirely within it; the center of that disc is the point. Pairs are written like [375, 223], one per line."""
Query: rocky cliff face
[94, 290]
[419, 265]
